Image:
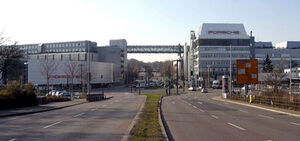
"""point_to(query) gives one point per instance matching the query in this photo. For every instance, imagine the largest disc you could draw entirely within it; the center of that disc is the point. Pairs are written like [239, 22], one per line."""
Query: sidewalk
[40, 108]
[261, 106]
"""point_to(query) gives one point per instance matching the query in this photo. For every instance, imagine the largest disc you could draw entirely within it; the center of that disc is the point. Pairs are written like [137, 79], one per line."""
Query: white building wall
[100, 72]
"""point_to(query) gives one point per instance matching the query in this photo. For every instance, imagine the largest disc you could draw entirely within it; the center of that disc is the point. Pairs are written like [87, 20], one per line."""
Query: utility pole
[169, 80]
[177, 78]
[290, 74]
[88, 72]
[82, 87]
[183, 79]
[208, 75]
[230, 71]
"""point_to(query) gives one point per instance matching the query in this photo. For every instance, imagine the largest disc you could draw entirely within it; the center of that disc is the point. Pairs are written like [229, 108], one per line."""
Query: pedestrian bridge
[155, 49]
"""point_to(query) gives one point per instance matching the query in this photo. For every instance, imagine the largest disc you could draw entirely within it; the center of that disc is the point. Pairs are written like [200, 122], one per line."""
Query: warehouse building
[63, 62]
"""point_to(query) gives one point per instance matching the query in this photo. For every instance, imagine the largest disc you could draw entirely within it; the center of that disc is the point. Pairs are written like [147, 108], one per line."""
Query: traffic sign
[247, 71]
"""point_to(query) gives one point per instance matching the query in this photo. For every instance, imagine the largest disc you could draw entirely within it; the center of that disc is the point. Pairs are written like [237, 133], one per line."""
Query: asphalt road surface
[197, 116]
[104, 120]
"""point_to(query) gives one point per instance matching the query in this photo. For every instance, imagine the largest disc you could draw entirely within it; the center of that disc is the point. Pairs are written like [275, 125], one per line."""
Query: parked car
[200, 88]
[204, 90]
[191, 89]
[296, 92]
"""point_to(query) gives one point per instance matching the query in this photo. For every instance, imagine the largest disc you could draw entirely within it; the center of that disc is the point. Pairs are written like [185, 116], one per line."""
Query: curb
[40, 111]
[160, 119]
[127, 135]
[165, 129]
[257, 107]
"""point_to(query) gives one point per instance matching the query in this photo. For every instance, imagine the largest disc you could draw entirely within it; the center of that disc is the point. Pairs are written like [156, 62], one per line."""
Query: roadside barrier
[286, 101]
[94, 97]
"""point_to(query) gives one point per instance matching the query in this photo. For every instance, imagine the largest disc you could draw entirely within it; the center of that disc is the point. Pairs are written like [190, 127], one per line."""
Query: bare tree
[47, 68]
[9, 58]
[72, 69]
[275, 78]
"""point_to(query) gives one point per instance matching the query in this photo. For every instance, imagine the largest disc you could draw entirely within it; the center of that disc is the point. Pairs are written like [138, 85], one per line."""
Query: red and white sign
[223, 32]
[64, 76]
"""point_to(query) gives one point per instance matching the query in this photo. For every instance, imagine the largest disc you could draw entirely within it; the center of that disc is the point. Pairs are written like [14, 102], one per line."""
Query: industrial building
[208, 56]
[63, 62]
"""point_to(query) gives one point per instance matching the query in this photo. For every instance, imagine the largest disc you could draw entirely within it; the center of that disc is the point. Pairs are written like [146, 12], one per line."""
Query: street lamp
[230, 71]
[88, 72]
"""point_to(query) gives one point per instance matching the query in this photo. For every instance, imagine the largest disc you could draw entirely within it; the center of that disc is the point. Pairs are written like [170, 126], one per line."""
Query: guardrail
[287, 101]
[94, 97]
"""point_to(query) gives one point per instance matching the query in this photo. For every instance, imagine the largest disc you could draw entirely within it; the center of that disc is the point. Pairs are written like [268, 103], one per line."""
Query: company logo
[223, 32]
[63, 76]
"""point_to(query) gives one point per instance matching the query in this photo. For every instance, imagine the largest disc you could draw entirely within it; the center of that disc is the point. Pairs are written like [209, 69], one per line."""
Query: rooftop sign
[223, 32]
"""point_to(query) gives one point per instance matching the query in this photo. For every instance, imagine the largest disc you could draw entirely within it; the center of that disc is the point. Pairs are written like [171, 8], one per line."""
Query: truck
[217, 84]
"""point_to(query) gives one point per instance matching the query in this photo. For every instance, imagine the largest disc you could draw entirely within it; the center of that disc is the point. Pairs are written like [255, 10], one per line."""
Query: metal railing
[286, 101]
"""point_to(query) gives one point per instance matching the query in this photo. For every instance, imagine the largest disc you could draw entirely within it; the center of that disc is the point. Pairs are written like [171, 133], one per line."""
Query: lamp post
[290, 74]
[178, 60]
[88, 72]
[230, 71]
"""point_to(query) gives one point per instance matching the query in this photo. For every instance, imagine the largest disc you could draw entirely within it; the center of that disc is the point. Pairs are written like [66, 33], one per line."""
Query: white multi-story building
[214, 44]
[107, 63]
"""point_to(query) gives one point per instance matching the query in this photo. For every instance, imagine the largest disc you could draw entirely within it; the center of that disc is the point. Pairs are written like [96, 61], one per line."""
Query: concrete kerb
[40, 111]
[127, 134]
[163, 124]
[254, 106]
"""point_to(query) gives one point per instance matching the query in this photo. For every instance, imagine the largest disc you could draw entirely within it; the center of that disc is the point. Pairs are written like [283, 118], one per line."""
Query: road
[103, 120]
[197, 116]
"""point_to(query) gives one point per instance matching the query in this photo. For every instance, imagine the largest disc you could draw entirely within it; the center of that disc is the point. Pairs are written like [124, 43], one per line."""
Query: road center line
[94, 109]
[53, 124]
[200, 102]
[79, 115]
[238, 127]
[295, 123]
[13, 139]
[214, 116]
[243, 111]
[194, 106]
[266, 116]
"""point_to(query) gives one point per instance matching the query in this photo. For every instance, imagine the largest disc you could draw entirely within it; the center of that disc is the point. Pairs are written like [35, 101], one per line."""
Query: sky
[144, 22]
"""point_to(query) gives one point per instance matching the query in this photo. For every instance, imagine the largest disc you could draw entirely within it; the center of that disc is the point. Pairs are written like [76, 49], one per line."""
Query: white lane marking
[13, 139]
[295, 123]
[214, 116]
[190, 104]
[111, 103]
[200, 102]
[266, 116]
[104, 105]
[201, 110]
[243, 111]
[53, 124]
[116, 100]
[195, 97]
[194, 106]
[94, 109]
[238, 127]
[225, 103]
[173, 102]
[269, 140]
[79, 115]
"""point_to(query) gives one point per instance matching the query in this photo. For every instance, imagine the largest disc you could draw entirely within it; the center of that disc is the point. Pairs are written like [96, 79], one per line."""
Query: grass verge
[148, 128]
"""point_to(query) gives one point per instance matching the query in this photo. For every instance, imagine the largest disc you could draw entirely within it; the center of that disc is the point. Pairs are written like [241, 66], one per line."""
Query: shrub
[56, 99]
[12, 96]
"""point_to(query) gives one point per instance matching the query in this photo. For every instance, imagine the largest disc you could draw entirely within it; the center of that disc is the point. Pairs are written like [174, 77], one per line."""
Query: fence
[286, 101]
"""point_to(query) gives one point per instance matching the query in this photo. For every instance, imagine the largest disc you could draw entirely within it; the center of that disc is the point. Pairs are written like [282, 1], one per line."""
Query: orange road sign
[247, 71]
